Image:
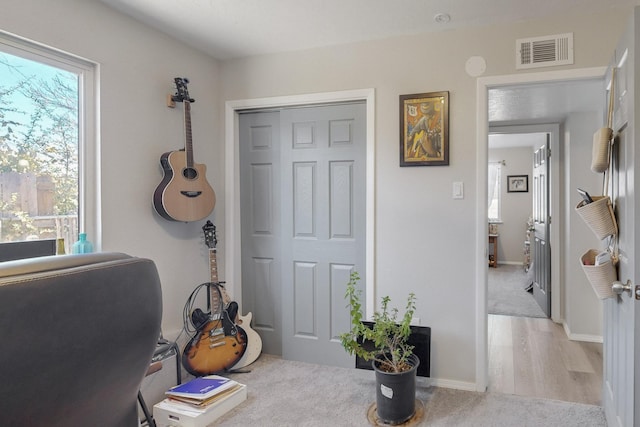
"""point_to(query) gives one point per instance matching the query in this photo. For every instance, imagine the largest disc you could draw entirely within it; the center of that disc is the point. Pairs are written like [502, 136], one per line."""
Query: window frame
[89, 195]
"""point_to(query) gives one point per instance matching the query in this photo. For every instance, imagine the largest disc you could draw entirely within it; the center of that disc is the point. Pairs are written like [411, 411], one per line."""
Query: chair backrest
[78, 333]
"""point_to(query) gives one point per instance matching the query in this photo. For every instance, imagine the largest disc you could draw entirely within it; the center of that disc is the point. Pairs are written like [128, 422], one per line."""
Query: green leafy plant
[389, 335]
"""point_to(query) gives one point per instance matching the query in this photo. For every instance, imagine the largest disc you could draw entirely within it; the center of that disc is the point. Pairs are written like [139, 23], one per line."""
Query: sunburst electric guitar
[254, 342]
[219, 344]
[184, 193]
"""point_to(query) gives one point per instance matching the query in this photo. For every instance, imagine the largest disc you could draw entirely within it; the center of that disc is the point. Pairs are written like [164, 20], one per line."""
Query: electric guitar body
[212, 350]
[254, 342]
[184, 193]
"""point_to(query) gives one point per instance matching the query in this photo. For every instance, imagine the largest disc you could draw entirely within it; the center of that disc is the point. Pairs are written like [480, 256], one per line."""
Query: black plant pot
[396, 393]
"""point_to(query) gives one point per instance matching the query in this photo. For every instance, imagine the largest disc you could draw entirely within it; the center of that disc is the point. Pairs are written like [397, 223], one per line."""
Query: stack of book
[199, 402]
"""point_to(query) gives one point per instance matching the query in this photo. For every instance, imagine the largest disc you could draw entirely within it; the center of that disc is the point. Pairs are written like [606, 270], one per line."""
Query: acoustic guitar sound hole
[189, 173]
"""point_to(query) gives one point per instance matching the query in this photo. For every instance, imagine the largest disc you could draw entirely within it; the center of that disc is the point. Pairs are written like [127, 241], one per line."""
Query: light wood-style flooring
[533, 357]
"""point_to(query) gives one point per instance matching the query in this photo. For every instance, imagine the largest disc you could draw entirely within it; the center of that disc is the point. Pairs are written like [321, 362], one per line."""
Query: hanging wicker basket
[600, 276]
[599, 216]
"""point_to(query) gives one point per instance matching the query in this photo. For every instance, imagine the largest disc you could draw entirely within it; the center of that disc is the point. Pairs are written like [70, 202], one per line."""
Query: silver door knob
[618, 287]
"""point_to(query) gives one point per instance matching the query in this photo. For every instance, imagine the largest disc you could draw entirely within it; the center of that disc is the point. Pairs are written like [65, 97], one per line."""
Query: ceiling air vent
[545, 51]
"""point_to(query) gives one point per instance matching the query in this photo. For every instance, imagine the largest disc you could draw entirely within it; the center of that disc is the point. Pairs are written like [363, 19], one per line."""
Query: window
[47, 146]
[494, 192]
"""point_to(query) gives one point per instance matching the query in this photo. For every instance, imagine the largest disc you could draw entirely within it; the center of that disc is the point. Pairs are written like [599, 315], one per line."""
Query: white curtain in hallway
[493, 175]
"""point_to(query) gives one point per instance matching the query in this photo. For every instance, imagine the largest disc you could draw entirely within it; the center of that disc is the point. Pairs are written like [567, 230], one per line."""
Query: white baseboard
[510, 263]
[444, 383]
[581, 337]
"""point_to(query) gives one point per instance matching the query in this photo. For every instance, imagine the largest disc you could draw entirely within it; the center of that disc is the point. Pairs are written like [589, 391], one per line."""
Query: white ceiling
[539, 103]
[544, 103]
[237, 28]
[516, 140]
[228, 29]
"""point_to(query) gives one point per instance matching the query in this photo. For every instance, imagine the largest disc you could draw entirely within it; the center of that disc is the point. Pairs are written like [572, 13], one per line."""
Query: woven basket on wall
[599, 216]
[600, 276]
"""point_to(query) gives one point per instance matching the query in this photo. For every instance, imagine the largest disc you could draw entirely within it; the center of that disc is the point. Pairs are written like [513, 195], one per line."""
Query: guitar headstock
[210, 235]
[182, 93]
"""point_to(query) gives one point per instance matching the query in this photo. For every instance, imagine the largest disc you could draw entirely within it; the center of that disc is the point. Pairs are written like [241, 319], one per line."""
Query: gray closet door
[259, 136]
[316, 206]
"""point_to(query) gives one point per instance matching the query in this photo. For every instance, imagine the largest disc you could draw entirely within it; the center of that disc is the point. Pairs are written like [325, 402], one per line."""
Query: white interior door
[621, 375]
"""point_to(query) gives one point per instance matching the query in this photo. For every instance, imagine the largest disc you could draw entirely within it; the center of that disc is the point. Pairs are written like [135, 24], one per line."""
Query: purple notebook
[202, 387]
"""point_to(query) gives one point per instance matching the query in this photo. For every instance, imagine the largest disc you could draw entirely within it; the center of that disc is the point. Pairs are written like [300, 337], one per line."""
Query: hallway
[534, 357]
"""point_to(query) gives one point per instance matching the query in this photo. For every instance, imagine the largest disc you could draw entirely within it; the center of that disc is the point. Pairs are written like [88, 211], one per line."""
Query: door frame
[483, 84]
[232, 223]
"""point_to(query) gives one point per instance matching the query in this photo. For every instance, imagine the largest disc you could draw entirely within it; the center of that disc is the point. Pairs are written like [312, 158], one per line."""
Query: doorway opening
[515, 280]
[486, 125]
[517, 229]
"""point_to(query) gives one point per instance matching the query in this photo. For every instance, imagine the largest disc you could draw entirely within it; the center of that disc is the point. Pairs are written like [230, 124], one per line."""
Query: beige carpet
[285, 393]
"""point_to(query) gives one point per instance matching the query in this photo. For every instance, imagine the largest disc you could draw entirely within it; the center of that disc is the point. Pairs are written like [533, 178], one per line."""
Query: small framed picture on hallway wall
[424, 129]
[517, 183]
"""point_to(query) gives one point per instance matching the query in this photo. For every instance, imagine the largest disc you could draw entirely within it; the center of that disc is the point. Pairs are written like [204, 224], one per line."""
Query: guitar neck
[213, 268]
[213, 265]
[187, 133]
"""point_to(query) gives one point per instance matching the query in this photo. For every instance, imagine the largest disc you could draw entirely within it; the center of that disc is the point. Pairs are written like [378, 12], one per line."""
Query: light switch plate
[458, 190]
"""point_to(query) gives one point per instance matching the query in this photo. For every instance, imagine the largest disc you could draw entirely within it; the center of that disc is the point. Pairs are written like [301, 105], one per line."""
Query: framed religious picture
[517, 183]
[424, 129]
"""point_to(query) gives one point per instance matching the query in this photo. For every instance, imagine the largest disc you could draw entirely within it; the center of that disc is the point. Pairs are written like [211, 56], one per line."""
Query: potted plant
[392, 357]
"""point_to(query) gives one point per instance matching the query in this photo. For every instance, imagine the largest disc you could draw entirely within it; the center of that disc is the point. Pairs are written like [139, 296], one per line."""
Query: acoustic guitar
[254, 342]
[184, 193]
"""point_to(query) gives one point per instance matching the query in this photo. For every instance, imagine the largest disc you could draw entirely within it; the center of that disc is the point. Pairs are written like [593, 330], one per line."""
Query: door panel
[541, 249]
[621, 375]
[259, 136]
[324, 152]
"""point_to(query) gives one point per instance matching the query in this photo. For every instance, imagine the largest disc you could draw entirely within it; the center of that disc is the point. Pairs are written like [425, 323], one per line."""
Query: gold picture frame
[424, 129]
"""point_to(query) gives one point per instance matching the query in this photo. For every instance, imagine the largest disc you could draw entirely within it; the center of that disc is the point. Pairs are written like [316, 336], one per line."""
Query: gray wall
[583, 310]
[516, 207]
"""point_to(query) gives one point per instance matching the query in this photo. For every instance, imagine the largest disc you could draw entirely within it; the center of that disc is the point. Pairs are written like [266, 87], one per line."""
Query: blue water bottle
[82, 246]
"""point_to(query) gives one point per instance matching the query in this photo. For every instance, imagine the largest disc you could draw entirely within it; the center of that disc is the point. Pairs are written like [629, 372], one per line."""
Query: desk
[493, 250]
